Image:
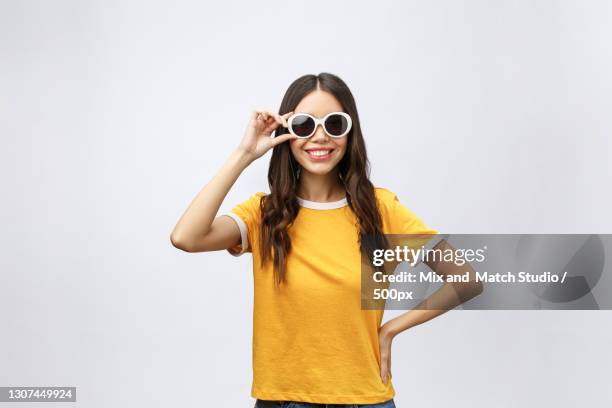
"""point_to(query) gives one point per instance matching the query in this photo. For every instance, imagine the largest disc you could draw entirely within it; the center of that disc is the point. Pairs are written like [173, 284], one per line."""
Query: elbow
[179, 242]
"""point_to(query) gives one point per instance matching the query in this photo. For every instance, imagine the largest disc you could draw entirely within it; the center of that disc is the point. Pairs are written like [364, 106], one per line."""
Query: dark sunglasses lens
[302, 125]
[336, 125]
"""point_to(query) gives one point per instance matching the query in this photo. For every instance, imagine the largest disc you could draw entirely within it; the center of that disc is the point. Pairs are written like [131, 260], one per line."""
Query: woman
[312, 342]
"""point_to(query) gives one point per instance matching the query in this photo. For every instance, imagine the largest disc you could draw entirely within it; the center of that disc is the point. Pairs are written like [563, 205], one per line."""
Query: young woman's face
[330, 150]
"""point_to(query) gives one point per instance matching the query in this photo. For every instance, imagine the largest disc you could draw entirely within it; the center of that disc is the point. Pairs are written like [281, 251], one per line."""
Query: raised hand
[257, 139]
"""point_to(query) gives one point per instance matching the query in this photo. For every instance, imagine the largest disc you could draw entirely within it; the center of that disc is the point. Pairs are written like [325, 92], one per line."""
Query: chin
[319, 170]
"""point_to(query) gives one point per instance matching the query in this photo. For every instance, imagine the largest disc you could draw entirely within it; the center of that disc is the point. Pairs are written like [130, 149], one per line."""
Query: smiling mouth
[319, 154]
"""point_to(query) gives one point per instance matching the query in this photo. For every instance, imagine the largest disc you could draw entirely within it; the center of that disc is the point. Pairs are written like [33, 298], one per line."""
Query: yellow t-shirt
[312, 342]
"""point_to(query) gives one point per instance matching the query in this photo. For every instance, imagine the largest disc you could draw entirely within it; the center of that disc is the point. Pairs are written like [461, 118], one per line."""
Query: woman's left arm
[449, 296]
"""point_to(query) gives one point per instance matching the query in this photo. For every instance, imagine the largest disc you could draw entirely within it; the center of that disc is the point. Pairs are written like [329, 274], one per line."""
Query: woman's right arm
[200, 229]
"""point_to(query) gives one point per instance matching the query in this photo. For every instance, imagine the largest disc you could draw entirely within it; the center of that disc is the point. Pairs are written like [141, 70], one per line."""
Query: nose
[319, 135]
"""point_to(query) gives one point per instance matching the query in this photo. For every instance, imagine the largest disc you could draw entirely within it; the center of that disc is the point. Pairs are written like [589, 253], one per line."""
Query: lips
[319, 154]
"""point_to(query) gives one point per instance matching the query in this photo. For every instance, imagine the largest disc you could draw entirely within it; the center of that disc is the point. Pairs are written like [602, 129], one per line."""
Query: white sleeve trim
[244, 242]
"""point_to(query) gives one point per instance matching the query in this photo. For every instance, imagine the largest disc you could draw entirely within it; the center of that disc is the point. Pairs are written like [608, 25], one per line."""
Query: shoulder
[256, 198]
[250, 206]
[386, 198]
[384, 194]
[389, 203]
[386, 201]
[397, 218]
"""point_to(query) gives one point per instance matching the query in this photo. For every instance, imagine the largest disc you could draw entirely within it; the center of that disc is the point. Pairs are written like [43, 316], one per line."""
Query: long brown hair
[280, 208]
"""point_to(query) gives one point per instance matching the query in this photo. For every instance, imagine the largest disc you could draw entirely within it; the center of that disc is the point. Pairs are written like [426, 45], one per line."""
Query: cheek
[342, 146]
[296, 147]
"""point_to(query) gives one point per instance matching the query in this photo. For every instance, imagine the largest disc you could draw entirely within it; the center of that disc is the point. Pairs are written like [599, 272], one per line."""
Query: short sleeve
[247, 216]
[399, 219]
[404, 221]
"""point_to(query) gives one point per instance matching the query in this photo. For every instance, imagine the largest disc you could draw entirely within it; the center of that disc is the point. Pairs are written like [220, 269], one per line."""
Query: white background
[483, 116]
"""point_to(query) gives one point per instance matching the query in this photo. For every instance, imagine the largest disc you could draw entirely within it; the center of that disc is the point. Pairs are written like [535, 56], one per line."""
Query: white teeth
[318, 152]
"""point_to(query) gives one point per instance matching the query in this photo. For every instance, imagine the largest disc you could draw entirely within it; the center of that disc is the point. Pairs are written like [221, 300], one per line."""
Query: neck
[320, 188]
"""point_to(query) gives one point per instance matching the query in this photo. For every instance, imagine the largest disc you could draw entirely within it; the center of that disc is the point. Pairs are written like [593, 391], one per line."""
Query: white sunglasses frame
[320, 122]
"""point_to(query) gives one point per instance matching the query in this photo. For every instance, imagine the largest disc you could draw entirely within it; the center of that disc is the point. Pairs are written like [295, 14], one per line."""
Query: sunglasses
[304, 125]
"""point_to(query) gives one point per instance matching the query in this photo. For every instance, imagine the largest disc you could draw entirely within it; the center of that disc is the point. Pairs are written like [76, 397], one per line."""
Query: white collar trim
[316, 205]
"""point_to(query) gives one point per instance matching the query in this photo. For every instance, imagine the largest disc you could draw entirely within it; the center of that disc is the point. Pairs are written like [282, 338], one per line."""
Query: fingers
[266, 117]
[282, 138]
[261, 118]
[385, 373]
[285, 117]
[385, 361]
[271, 125]
[277, 118]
